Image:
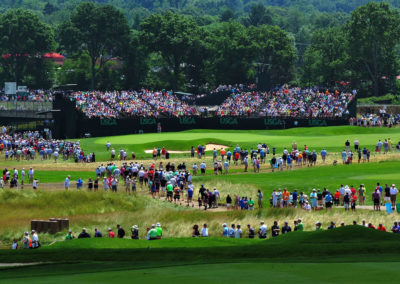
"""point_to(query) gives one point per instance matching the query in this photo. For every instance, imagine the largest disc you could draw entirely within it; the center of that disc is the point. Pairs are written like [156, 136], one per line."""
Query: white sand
[209, 147]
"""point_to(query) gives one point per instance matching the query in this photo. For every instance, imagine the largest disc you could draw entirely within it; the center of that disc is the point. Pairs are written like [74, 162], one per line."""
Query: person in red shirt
[111, 233]
[353, 201]
[336, 198]
[236, 158]
[381, 228]
[353, 190]
[371, 226]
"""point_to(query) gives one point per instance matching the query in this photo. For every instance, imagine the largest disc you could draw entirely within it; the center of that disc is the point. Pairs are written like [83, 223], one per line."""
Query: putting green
[235, 273]
[317, 137]
[330, 138]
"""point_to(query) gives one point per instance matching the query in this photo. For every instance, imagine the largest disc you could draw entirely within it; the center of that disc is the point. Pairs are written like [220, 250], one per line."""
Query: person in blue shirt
[97, 233]
[344, 156]
[190, 195]
[232, 231]
[79, 183]
[229, 156]
[260, 198]
[324, 153]
[214, 154]
[225, 231]
[226, 166]
[241, 203]
[294, 196]
[262, 156]
[328, 201]
[289, 162]
[238, 148]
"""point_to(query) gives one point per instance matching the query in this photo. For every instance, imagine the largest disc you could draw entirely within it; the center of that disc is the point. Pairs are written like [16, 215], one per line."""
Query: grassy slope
[348, 244]
[331, 138]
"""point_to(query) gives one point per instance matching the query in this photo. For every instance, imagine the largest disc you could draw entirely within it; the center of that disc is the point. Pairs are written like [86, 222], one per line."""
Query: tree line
[173, 50]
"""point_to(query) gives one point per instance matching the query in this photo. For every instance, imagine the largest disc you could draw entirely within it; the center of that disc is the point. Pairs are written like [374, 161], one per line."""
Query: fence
[26, 106]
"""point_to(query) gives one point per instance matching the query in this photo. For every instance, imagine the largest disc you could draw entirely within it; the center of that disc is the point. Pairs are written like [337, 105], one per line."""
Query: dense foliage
[185, 44]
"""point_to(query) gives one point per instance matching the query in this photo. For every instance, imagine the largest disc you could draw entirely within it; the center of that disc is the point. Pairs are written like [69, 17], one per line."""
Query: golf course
[325, 256]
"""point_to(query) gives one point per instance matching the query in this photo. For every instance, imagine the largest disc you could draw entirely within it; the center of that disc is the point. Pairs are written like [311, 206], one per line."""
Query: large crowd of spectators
[376, 120]
[30, 145]
[29, 96]
[131, 103]
[241, 104]
[244, 101]
[297, 102]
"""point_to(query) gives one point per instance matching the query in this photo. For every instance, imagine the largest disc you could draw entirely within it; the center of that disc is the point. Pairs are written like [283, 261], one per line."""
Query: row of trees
[171, 50]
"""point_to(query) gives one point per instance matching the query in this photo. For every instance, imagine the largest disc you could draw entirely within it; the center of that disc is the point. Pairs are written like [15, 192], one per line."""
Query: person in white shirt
[393, 195]
[35, 239]
[204, 231]
[262, 232]
[22, 175]
[55, 156]
[194, 169]
[216, 194]
[238, 232]
[66, 182]
[35, 184]
[203, 168]
[31, 173]
[15, 244]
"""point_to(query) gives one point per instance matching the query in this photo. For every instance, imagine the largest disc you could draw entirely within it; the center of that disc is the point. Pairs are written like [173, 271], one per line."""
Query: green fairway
[304, 257]
[330, 138]
[238, 273]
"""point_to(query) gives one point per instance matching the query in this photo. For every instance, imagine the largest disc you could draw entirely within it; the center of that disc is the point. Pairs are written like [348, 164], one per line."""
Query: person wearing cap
[111, 234]
[31, 174]
[83, 234]
[69, 236]
[318, 226]
[286, 228]
[97, 233]
[26, 241]
[313, 199]
[361, 194]
[135, 232]
[67, 182]
[393, 195]
[225, 230]
[35, 240]
[262, 231]
[159, 231]
[299, 226]
[152, 233]
[332, 226]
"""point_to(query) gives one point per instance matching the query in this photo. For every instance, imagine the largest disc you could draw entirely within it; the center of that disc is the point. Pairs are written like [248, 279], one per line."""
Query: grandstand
[121, 112]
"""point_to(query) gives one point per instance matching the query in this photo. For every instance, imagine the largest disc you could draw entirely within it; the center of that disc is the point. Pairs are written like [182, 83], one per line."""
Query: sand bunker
[209, 147]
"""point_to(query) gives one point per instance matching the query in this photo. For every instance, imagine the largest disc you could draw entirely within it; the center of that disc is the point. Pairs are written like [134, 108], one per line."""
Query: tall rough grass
[104, 210]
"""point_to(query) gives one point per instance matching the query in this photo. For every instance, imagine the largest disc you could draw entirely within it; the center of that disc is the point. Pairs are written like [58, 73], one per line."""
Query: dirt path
[17, 264]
